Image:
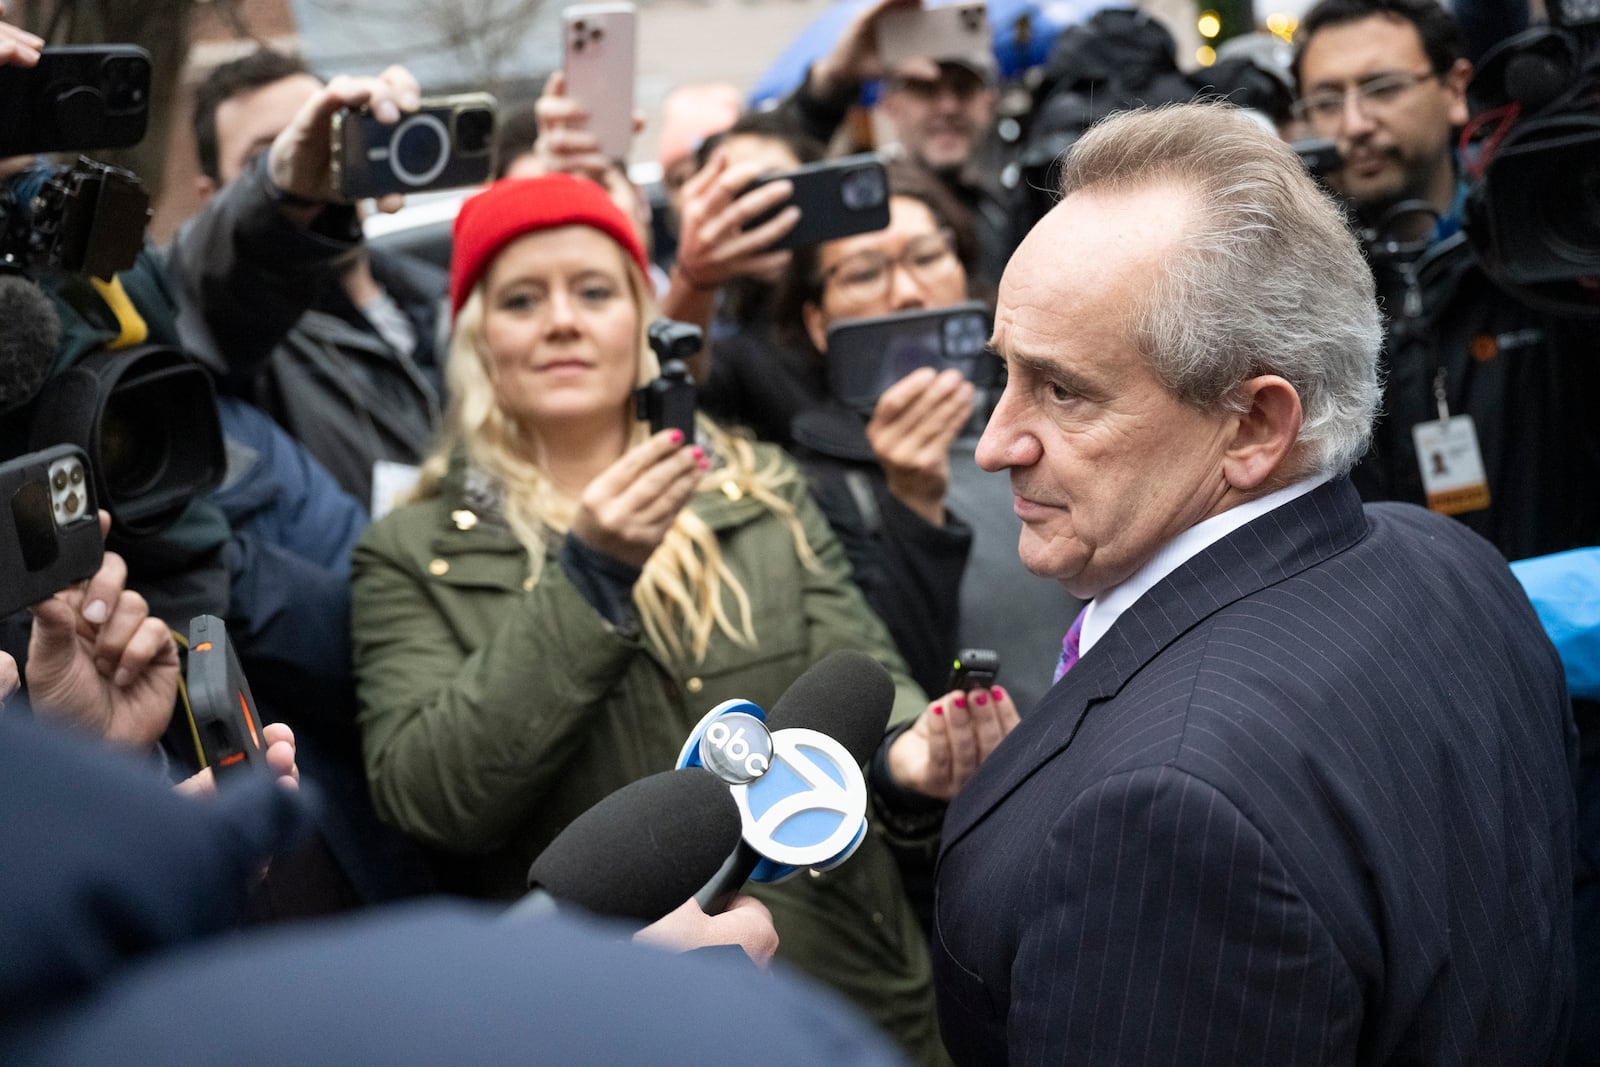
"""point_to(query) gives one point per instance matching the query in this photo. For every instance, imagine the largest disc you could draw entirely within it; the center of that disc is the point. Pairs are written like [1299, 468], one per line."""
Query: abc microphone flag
[796, 774]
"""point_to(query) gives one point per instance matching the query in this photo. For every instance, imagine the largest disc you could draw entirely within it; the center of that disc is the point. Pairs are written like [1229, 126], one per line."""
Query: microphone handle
[715, 896]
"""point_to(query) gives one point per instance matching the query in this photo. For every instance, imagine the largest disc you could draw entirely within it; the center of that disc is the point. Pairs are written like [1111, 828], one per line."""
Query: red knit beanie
[508, 209]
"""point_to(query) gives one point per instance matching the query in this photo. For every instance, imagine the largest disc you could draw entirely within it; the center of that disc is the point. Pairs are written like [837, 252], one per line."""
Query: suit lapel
[1263, 552]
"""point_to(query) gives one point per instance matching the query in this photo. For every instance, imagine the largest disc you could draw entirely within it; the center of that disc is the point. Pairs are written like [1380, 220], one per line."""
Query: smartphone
[974, 668]
[866, 356]
[225, 718]
[446, 143]
[50, 535]
[836, 198]
[598, 59]
[77, 98]
[949, 31]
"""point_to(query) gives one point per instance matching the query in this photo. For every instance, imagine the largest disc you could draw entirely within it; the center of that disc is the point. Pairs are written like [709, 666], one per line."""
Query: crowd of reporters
[551, 594]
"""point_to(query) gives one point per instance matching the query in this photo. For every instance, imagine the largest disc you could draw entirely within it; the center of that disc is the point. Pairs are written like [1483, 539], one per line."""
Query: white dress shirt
[1104, 610]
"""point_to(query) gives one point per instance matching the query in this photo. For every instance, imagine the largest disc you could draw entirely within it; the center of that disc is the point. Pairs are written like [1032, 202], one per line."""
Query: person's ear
[1455, 82]
[204, 187]
[816, 321]
[1264, 435]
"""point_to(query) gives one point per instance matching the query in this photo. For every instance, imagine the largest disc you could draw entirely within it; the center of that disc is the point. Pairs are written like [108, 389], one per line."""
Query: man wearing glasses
[1387, 82]
[941, 111]
[1498, 393]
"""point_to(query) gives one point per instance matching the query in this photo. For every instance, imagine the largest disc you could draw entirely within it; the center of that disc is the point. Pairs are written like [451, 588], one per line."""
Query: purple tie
[1069, 647]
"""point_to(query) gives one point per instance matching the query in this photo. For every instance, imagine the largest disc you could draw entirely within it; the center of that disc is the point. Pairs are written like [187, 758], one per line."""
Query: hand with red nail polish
[949, 741]
[627, 509]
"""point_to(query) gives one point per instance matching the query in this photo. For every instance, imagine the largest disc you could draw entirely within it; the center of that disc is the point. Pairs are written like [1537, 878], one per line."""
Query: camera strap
[131, 327]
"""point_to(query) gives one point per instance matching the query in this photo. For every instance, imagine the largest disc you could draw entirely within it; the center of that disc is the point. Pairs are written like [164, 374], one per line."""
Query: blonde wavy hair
[686, 589]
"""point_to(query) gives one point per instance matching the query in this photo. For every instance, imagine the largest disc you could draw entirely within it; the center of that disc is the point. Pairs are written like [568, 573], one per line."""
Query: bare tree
[484, 33]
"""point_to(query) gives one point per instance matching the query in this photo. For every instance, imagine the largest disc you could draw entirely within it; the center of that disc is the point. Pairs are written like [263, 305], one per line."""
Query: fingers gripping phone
[76, 98]
[974, 668]
[226, 722]
[836, 198]
[598, 60]
[49, 532]
[447, 142]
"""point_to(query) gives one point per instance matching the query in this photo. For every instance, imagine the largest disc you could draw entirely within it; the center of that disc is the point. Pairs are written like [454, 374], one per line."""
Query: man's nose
[1007, 441]
[1353, 118]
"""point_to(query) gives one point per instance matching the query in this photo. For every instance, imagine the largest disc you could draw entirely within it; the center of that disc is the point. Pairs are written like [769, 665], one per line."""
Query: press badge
[1452, 466]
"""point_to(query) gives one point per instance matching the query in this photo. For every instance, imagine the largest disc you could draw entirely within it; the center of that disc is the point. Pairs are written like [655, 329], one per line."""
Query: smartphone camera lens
[474, 128]
[125, 81]
[419, 149]
[66, 490]
[863, 189]
[964, 336]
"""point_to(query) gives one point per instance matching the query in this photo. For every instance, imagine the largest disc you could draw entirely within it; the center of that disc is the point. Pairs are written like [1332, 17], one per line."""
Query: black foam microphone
[30, 335]
[642, 851]
[847, 696]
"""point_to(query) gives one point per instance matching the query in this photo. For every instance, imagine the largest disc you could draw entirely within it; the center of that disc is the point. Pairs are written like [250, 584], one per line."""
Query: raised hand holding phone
[598, 62]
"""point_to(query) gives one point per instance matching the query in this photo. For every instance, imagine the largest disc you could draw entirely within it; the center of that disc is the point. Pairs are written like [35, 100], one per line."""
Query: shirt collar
[1104, 610]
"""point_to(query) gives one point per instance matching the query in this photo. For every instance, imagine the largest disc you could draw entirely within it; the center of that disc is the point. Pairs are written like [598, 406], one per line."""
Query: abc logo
[736, 748]
[809, 808]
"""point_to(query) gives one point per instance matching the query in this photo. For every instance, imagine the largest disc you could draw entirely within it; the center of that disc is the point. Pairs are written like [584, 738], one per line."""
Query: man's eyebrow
[1045, 367]
[1326, 84]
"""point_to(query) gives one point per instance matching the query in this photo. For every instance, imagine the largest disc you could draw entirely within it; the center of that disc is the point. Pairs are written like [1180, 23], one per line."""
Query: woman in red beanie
[568, 594]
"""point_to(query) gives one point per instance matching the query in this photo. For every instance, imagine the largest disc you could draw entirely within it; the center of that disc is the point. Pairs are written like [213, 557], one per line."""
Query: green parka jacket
[494, 710]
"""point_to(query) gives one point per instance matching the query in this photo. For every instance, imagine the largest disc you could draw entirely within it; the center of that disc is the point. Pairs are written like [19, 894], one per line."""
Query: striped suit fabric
[1308, 801]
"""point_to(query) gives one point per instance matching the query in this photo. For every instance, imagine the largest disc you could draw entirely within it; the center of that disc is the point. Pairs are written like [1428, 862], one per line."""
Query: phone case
[77, 98]
[224, 711]
[836, 198]
[949, 31]
[599, 61]
[50, 534]
[446, 143]
[866, 356]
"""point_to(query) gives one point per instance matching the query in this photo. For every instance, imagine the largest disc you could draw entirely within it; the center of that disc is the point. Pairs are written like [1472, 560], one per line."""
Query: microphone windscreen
[847, 695]
[645, 849]
[30, 336]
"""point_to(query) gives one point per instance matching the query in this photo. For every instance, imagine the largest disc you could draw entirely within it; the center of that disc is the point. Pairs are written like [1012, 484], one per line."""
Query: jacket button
[694, 685]
[438, 567]
[464, 519]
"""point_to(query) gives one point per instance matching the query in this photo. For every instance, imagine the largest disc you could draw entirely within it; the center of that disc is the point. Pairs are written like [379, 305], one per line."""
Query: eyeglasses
[1325, 107]
[963, 86]
[864, 277]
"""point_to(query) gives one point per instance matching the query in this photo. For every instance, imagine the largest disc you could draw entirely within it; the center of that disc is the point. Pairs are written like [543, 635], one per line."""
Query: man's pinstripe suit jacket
[1308, 801]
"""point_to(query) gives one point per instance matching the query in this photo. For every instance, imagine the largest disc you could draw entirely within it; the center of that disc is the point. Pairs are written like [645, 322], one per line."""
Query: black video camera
[668, 402]
[87, 218]
[145, 416]
[1533, 157]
